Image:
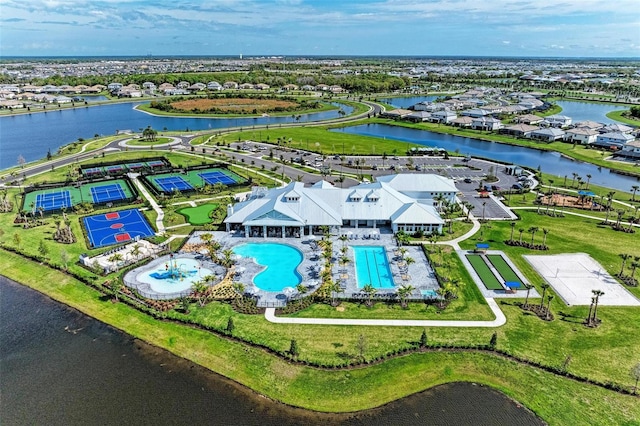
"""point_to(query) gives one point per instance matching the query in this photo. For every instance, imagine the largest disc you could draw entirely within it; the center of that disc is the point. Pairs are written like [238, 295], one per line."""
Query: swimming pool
[188, 272]
[280, 260]
[372, 267]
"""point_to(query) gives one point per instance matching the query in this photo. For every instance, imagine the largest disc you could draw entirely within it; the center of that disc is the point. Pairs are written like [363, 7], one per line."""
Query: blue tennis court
[52, 201]
[135, 166]
[216, 177]
[116, 227]
[106, 193]
[173, 183]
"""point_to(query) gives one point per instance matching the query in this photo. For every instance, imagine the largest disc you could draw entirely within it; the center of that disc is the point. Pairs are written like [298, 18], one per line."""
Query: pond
[62, 367]
[32, 135]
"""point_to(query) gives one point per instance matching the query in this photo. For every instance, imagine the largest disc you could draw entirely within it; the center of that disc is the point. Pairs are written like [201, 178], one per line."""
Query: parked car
[467, 180]
[516, 186]
[495, 187]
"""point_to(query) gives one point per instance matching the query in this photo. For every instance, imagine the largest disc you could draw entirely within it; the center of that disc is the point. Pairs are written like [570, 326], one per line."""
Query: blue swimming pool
[372, 267]
[280, 260]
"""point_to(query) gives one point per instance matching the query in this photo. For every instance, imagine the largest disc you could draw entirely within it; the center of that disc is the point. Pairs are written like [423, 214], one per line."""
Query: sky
[547, 28]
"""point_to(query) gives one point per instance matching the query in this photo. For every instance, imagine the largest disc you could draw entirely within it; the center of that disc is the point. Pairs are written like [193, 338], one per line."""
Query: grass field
[484, 272]
[503, 268]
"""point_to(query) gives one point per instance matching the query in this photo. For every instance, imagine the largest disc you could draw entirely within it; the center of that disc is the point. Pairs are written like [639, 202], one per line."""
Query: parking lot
[468, 173]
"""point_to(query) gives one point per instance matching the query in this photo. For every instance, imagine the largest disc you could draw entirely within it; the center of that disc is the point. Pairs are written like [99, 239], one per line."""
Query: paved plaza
[574, 276]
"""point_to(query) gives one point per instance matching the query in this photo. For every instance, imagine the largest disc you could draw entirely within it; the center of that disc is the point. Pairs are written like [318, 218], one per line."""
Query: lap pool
[280, 261]
[372, 267]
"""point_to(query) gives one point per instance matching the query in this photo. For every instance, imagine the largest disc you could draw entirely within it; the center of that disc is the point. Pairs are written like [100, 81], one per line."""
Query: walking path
[586, 216]
[270, 315]
[152, 202]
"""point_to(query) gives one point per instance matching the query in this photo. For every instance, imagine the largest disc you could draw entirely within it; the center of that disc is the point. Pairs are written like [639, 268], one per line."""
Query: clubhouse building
[402, 202]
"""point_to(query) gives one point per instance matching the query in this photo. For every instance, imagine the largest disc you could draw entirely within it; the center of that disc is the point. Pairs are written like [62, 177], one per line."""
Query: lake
[32, 135]
[582, 111]
[60, 367]
[406, 102]
[549, 162]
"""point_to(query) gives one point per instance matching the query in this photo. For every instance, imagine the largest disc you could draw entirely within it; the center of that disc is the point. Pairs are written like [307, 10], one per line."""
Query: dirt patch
[586, 202]
[234, 105]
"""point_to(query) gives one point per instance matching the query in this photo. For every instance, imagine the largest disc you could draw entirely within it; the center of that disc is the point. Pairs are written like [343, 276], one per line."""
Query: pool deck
[419, 274]
[130, 279]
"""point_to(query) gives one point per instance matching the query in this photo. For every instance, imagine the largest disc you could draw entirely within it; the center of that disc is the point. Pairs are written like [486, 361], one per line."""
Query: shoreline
[413, 373]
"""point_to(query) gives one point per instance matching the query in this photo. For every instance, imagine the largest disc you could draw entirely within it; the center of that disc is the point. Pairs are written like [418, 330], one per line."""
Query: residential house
[461, 122]
[396, 113]
[113, 87]
[214, 85]
[519, 130]
[557, 120]
[613, 140]
[630, 150]
[291, 87]
[582, 135]
[530, 119]
[444, 116]
[486, 123]
[616, 127]
[262, 86]
[476, 112]
[246, 86]
[548, 134]
[197, 87]
[419, 116]
[588, 124]
[183, 85]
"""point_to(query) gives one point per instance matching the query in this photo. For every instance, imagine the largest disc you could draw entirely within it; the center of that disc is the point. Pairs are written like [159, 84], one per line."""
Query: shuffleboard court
[486, 276]
[575, 276]
[48, 201]
[106, 193]
[116, 227]
[508, 274]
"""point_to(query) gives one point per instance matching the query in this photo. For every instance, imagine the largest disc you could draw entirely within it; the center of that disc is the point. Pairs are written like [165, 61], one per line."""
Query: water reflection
[61, 367]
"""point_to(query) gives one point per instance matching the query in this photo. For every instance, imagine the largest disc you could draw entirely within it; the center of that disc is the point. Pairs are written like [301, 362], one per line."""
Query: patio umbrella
[288, 291]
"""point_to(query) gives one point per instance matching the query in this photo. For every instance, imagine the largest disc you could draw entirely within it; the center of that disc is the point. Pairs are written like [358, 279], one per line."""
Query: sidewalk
[270, 315]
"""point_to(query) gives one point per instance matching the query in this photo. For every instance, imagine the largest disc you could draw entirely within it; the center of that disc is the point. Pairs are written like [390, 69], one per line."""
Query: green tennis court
[504, 269]
[200, 215]
[488, 279]
[95, 193]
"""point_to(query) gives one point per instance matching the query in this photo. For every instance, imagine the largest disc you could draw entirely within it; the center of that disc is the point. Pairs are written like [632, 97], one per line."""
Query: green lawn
[617, 115]
[146, 142]
[483, 271]
[555, 399]
[199, 215]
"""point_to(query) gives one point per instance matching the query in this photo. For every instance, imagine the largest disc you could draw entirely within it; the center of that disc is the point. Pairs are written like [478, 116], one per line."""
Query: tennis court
[172, 183]
[213, 177]
[48, 201]
[116, 227]
[107, 193]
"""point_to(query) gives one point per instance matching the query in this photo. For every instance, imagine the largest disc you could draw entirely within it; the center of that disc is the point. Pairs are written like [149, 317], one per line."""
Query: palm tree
[199, 291]
[135, 251]
[634, 188]
[521, 230]
[624, 257]
[634, 265]
[116, 258]
[344, 239]
[238, 287]
[549, 299]
[333, 288]
[403, 292]
[545, 231]
[301, 289]
[513, 228]
[620, 214]
[597, 294]
[343, 262]
[369, 290]
[526, 300]
[544, 287]
[575, 175]
[409, 261]
[588, 179]
[227, 258]
[533, 231]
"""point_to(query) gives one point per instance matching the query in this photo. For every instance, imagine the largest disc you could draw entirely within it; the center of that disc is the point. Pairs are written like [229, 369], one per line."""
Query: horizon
[332, 28]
